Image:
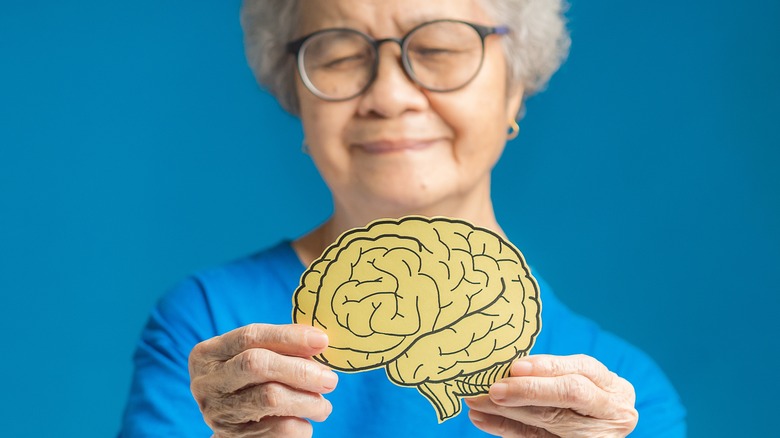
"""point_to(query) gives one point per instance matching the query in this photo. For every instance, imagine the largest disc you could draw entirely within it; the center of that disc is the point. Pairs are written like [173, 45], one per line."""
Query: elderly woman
[406, 106]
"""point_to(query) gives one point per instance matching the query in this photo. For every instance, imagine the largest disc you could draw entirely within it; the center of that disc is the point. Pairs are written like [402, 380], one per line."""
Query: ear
[514, 100]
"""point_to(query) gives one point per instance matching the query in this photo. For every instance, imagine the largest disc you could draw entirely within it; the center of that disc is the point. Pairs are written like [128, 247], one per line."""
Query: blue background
[136, 148]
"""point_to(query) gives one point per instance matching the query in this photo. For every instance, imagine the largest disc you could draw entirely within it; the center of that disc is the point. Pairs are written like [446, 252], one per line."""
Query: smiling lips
[389, 146]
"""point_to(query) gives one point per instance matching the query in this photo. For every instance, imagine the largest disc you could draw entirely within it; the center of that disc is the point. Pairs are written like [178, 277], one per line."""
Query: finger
[257, 366]
[267, 427]
[256, 403]
[570, 391]
[291, 339]
[562, 422]
[544, 365]
[505, 427]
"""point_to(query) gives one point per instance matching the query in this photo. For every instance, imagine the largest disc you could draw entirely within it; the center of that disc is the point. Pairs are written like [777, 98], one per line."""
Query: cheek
[478, 120]
[482, 115]
[313, 116]
[312, 122]
[323, 122]
[323, 129]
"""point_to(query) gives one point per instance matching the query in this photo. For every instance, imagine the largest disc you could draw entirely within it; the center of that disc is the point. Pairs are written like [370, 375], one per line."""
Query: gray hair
[535, 47]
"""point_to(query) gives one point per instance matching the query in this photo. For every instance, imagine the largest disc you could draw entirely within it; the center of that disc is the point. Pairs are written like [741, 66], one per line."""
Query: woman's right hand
[259, 381]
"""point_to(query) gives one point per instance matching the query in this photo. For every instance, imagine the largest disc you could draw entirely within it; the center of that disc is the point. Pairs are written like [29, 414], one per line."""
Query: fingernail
[316, 340]
[522, 368]
[329, 379]
[498, 391]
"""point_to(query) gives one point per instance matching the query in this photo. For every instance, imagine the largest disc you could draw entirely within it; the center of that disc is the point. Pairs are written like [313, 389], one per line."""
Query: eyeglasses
[441, 55]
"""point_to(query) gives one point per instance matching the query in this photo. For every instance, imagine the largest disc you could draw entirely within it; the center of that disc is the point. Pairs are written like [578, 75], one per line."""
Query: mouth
[391, 146]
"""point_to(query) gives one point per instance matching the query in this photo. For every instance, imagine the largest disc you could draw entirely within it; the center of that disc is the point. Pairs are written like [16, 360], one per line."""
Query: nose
[392, 92]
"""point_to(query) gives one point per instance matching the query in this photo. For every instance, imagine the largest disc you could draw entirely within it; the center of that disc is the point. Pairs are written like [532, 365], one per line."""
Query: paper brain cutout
[441, 304]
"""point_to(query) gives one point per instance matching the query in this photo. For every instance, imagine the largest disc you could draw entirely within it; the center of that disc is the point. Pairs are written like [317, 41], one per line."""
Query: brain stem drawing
[440, 304]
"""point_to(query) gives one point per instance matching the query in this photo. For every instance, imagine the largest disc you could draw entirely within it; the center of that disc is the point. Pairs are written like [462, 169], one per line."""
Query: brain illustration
[440, 304]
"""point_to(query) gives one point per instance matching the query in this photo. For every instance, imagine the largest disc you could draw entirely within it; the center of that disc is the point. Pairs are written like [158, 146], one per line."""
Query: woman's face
[398, 149]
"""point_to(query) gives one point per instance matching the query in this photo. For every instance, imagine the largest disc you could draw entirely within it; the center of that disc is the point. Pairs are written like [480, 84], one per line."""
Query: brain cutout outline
[441, 304]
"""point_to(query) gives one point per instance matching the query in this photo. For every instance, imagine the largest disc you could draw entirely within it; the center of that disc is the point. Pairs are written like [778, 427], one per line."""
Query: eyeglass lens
[439, 56]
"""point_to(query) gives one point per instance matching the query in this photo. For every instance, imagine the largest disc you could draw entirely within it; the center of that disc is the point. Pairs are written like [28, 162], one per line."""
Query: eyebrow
[403, 27]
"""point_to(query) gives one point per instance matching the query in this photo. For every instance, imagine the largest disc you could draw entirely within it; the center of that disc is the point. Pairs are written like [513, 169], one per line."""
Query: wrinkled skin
[259, 381]
[557, 396]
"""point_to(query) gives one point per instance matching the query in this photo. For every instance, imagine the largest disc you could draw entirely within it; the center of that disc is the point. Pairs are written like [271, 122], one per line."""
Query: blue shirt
[259, 289]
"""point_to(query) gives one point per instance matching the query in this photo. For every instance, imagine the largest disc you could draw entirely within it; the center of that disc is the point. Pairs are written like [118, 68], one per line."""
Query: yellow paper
[441, 304]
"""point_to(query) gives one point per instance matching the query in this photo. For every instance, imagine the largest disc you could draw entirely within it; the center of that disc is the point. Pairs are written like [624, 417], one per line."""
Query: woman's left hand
[557, 396]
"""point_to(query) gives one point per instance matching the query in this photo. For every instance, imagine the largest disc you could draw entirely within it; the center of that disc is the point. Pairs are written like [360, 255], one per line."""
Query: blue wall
[135, 148]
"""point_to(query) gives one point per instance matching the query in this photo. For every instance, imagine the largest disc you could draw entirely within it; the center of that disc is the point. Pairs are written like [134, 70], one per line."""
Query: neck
[477, 210]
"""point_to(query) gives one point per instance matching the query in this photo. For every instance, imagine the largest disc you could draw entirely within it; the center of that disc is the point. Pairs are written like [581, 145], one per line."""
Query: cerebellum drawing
[442, 305]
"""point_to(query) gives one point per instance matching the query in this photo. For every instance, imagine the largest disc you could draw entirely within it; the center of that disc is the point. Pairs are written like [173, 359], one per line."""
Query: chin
[403, 202]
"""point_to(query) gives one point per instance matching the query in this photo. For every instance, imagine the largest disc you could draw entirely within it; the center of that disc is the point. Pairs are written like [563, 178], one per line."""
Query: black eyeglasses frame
[295, 48]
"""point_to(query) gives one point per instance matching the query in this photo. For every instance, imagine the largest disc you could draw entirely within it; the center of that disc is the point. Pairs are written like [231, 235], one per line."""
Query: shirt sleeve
[661, 413]
[160, 403]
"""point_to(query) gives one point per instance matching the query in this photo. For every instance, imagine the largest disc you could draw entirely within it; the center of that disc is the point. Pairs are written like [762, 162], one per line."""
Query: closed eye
[346, 62]
[433, 51]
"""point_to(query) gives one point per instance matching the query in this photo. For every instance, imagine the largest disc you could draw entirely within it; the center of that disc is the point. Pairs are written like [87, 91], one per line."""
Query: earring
[304, 147]
[514, 130]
